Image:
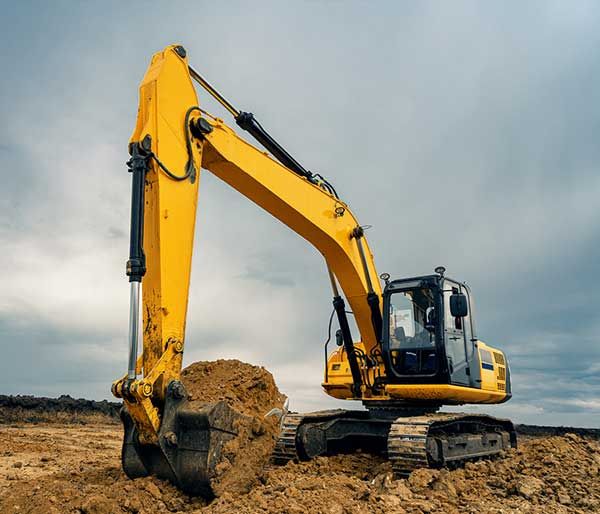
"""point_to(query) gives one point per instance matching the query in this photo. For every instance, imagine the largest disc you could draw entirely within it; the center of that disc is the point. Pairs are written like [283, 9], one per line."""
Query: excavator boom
[172, 141]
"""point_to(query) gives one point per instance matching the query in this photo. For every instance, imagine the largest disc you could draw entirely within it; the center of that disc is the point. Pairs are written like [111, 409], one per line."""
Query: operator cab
[428, 333]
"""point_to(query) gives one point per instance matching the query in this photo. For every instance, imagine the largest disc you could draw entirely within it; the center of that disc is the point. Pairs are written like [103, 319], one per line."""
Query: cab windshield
[412, 319]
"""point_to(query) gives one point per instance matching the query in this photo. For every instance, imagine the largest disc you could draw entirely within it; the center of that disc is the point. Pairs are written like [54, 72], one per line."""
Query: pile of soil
[248, 389]
[65, 409]
[251, 391]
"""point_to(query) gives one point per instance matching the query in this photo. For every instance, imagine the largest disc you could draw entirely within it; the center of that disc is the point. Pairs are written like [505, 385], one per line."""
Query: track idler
[190, 443]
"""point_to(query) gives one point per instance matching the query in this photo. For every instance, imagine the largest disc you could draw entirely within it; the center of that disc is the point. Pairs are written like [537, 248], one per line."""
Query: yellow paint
[490, 379]
[446, 393]
[493, 390]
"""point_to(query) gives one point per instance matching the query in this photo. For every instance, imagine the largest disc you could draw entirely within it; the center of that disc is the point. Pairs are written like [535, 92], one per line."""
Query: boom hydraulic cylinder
[136, 265]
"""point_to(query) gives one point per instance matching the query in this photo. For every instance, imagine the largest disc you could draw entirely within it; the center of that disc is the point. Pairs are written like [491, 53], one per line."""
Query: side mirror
[458, 305]
[339, 338]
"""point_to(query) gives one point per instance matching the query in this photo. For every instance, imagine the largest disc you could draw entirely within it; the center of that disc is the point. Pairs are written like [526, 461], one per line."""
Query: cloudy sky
[465, 133]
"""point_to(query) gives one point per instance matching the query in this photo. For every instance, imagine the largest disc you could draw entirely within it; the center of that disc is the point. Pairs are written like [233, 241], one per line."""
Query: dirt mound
[251, 391]
[65, 409]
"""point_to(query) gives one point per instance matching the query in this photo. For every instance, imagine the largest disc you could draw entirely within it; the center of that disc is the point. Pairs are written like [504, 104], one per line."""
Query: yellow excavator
[418, 348]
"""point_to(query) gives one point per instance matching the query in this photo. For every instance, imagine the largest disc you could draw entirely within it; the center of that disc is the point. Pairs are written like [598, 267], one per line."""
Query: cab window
[412, 319]
[454, 333]
[412, 326]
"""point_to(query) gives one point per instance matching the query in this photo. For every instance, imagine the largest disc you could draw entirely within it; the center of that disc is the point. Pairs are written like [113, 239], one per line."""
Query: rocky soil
[59, 468]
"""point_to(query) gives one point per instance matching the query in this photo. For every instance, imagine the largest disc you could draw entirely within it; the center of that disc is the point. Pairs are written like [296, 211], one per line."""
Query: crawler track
[285, 448]
[410, 442]
[446, 439]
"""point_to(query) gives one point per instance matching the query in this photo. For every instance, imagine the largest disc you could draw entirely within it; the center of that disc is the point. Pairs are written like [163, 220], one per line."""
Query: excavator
[417, 351]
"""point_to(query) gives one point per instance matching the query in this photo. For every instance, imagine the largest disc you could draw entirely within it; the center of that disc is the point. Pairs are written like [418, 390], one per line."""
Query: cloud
[464, 133]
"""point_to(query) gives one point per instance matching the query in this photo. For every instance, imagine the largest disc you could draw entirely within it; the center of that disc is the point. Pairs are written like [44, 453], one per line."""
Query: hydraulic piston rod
[372, 297]
[340, 309]
[134, 323]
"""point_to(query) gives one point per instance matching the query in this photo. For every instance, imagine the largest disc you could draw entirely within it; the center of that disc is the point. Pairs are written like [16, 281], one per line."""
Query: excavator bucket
[190, 443]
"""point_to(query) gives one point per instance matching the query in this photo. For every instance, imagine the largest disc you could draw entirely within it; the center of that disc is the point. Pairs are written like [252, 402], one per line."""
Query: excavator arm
[172, 141]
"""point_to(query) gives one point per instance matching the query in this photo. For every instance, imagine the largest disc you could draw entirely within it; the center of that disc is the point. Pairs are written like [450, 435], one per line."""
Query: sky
[465, 133]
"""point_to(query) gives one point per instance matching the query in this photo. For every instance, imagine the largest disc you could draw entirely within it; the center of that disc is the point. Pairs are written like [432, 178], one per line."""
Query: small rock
[529, 487]
[402, 491]
[382, 482]
[17, 464]
[335, 508]
[96, 504]
[422, 477]
[309, 485]
[564, 499]
[133, 505]
[445, 486]
[257, 427]
[391, 502]
[425, 506]
[153, 489]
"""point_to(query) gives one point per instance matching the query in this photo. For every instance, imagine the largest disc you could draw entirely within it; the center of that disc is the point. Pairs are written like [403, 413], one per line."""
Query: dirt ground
[52, 467]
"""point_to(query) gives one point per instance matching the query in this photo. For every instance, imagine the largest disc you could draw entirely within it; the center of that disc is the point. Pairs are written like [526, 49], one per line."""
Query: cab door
[455, 339]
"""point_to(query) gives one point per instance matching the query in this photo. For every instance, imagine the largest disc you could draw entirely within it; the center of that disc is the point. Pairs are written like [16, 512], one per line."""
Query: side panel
[443, 393]
[493, 366]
